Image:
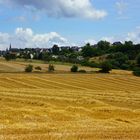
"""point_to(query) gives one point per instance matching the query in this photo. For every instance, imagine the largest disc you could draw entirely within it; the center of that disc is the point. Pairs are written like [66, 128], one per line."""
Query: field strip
[38, 83]
[20, 83]
[89, 84]
[73, 83]
[94, 95]
[119, 83]
[126, 81]
[35, 83]
[6, 84]
[63, 84]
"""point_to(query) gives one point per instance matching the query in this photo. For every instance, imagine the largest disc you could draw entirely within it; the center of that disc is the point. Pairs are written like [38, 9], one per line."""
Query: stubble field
[69, 106]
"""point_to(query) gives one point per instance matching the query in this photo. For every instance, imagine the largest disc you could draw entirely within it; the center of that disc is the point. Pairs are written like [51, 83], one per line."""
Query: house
[117, 43]
[75, 48]
[64, 48]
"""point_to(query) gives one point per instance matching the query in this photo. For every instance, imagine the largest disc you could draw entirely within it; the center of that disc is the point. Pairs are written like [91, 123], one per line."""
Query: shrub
[105, 67]
[136, 72]
[125, 66]
[51, 68]
[82, 71]
[74, 68]
[29, 68]
[138, 60]
[89, 64]
[38, 68]
[9, 56]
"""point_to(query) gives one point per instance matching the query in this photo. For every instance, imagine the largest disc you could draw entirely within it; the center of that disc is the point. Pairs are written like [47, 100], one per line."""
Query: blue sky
[42, 23]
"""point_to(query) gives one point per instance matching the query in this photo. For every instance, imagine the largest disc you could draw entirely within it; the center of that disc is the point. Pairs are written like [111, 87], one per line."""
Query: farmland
[69, 106]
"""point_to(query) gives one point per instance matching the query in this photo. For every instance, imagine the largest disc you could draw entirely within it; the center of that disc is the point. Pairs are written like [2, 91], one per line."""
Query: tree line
[118, 55]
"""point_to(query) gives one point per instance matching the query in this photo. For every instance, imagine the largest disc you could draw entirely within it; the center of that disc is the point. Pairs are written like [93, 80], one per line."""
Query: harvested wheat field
[69, 107]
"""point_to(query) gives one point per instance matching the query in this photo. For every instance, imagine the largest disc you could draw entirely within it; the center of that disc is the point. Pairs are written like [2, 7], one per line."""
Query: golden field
[18, 66]
[69, 106]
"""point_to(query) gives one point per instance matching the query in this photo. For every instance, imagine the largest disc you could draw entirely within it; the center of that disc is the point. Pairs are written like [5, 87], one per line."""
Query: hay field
[17, 66]
[69, 107]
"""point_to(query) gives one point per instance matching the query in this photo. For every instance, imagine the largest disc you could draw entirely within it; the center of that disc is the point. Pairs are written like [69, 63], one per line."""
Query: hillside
[18, 66]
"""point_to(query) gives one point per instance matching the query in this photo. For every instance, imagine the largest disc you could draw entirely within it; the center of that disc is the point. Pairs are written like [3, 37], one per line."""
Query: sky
[43, 23]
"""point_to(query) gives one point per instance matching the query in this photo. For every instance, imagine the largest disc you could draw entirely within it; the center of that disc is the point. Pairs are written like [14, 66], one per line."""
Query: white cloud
[91, 41]
[133, 36]
[121, 6]
[61, 8]
[26, 38]
[95, 41]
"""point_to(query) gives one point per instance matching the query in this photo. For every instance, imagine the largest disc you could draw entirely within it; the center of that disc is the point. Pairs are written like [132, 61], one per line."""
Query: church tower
[10, 47]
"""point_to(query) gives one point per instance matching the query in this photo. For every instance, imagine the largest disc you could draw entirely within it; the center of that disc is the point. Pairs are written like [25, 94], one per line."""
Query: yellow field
[69, 107]
[19, 66]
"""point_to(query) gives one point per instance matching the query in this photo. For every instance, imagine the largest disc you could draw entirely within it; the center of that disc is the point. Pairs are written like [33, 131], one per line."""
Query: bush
[29, 68]
[82, 71]
[105, 67]
[9, 56]
[51, 68]
[89, 64]
[38, 68]
[138, 60]
[136, 71]
[125, 66]
[74, 68]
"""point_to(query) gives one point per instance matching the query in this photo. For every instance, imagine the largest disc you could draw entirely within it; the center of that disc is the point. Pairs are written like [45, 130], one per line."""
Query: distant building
[117, 43]
[13, 50]
[75, 48]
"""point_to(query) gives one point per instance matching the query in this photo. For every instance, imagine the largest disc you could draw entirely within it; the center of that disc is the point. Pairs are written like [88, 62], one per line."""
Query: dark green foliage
[125, 66]
[138, 60]
[88, 51]
[103, 45]
[29, 68]
[74, 68]
[55, 50]
[105, 67]
[27, 56]
[136, 71]
[9, 56]
[46, 57]
[38, 68]
[119, 60]
[51, 68]
[89, 64]
[82, 71]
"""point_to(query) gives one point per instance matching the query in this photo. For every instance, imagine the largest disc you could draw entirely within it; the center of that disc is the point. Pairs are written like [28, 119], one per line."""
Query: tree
[74, 68]
[51, 68]
[138, 60]
[136, 71]
[106, 67]
[29, 68]
[9, 56]
[46, 56]
[103, 45]
[87, 51]
[55, 49]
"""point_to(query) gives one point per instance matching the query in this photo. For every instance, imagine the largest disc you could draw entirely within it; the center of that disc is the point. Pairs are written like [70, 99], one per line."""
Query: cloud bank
[26, 38]
[61, 8]
[130, 36]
